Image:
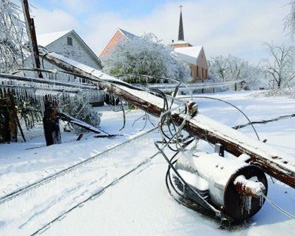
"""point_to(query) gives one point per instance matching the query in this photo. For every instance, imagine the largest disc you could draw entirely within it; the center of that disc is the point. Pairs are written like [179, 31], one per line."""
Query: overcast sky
[223, 27]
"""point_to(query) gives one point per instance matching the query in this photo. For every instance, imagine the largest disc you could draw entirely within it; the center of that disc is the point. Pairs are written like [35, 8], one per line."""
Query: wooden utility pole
[277, 164]
[50, 121]
[32, 37]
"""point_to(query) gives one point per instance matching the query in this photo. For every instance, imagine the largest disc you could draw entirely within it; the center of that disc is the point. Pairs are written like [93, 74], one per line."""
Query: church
[194, 56]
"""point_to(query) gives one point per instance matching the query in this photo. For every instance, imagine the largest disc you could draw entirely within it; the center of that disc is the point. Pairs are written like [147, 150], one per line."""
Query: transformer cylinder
[227, 191]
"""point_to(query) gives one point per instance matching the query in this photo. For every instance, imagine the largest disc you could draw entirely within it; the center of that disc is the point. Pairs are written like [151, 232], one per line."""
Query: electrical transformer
[231, 185]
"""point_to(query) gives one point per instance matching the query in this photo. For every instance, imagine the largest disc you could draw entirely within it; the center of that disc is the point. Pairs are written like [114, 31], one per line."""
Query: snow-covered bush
[78, 107]
[145, 56]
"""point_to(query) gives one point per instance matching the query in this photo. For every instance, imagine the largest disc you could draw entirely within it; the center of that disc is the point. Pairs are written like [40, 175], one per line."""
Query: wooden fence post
[4, 119]
[8, 116]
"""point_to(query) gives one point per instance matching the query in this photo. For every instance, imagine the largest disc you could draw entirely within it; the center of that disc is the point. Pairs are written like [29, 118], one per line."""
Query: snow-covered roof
[128, 34]
[114, 41]
[189, 54]
[46, 39]
[179, 42]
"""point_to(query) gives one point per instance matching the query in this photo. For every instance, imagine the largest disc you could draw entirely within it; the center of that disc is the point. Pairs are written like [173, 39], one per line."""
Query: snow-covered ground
[122, 191]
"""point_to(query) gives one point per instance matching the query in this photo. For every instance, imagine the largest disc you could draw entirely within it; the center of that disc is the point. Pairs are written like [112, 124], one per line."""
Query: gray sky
[223, 27]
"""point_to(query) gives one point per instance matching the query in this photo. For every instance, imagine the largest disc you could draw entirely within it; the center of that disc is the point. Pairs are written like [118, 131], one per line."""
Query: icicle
[261, 200]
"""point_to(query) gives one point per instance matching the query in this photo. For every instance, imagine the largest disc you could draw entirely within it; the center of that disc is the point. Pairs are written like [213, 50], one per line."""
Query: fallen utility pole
[278, 164]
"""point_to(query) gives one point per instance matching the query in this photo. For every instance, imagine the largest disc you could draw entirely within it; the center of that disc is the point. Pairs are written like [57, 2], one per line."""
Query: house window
[197, 71]
[202, 73]
[70, 41]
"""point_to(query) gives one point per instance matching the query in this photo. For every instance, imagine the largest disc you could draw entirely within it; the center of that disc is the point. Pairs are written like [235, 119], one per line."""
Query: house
[194, 56]
[71, 45]
[119, 36]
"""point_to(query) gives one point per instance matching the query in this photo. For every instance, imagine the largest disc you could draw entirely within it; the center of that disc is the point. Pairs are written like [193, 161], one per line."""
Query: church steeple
[180, 30]
[180, 42]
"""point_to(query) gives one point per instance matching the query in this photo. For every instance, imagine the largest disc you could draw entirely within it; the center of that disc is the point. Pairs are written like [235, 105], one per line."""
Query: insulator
[249, 187]
[192, 108]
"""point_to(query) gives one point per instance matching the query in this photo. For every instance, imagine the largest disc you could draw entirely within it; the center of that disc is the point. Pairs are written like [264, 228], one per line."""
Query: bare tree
[290, 19]
[232, 68]
[280, 65]
[12, 36]
[228, 68]
[237, 68]
[218, 67]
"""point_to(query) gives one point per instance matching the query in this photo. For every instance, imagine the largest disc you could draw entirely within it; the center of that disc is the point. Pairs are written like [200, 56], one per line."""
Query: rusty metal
[248, 187]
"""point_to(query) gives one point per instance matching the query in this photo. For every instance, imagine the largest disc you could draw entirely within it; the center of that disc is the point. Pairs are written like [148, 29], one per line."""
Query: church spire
[180, 30]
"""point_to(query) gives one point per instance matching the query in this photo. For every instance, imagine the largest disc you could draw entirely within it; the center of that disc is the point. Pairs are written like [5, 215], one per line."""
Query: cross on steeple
[180, 30]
